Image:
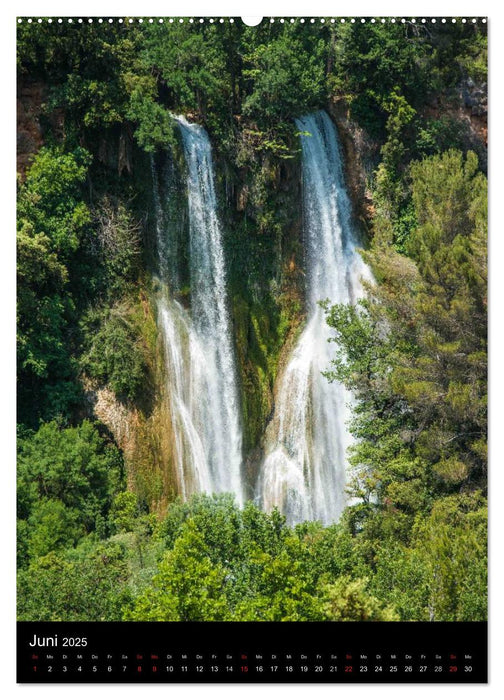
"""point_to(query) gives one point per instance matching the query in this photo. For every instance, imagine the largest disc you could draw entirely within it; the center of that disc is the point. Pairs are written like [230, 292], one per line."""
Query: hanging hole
[251, 21]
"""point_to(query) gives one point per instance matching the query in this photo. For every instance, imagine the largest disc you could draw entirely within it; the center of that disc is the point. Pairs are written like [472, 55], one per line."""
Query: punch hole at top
[251, 21]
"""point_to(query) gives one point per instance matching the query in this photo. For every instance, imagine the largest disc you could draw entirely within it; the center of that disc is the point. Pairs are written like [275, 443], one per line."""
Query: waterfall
[201, 372]
[304, 470]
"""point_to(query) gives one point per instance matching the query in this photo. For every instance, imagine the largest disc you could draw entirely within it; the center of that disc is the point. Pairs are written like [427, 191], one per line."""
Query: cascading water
[199, 350]
[304, 471]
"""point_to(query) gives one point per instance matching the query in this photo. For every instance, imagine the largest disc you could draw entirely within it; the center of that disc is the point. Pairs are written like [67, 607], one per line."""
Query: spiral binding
[231, 20]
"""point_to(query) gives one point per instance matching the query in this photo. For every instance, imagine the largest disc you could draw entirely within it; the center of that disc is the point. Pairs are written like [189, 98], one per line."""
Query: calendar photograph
[251, 336]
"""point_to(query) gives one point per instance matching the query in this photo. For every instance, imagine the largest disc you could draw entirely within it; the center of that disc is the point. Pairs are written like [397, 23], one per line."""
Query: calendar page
[252, 331]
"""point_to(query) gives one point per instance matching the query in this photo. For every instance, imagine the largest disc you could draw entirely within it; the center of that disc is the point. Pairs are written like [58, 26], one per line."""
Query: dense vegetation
[91, 544]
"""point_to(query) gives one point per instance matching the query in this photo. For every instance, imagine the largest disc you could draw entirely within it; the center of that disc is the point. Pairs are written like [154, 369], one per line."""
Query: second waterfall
[200, 362]
[304, 471]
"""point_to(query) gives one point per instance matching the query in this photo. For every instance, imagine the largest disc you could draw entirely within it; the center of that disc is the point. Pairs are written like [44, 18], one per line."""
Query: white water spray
[304, 471]
[199, 351]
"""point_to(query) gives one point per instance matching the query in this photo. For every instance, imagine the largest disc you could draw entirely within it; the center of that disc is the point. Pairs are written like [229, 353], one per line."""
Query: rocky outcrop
[146, 443]
[142, 430]
[360, 157]
[29, 132]
[474, 97]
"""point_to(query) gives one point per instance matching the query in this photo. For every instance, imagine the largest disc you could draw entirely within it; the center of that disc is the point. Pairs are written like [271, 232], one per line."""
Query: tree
[114, 351]
[52, 219]
[53, 526]
[414, 354]
[73, 467]
[56, 587]
[451, 546]
[187, 587]
[347, 600]
[286, 79]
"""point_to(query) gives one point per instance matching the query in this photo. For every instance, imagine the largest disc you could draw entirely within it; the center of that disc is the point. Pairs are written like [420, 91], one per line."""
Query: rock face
[474, 97]
[29, 132]
[147, 445]
[31, 96]
[361, 158]
[114, 150]
[466, 106]
[142, 430]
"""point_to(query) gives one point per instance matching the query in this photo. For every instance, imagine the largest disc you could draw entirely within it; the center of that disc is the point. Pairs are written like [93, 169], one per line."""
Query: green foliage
[66, 481]
[451, 546]
[84, 66]
[348, 600]
[193, 64]
[50, 198]
[442, 574]
[287, 78]
[52, 219]
[53, 526]
[390, 194]
[262, 329]
[155, 124]
[419, 340]
[188, 586]
[414, 354]
[116, 353]
[124, 512]
[259, 569]
[66, 478]
[438, 135]
[227, 564]
[67, 254]
[56, 588]
[371, 62]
